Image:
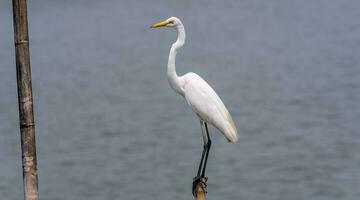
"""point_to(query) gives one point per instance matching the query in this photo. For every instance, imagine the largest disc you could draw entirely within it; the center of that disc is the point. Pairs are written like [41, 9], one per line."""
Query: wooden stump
[200, 189]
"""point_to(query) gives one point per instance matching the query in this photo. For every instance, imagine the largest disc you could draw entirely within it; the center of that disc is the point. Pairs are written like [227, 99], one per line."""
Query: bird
[200, 96]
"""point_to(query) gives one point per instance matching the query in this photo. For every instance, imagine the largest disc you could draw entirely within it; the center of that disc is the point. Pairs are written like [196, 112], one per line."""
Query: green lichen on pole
[25, 99]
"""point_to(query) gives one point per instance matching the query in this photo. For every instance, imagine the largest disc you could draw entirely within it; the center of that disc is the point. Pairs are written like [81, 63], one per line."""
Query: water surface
[109, 126]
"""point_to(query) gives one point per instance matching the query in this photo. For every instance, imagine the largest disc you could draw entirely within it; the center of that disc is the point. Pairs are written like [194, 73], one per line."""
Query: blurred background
[110, 127]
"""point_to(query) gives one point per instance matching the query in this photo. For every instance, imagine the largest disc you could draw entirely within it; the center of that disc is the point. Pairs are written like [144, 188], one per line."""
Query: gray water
[109, 126]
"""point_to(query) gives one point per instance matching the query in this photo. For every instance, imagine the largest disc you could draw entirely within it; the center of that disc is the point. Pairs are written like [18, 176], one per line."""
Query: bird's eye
[171, 22]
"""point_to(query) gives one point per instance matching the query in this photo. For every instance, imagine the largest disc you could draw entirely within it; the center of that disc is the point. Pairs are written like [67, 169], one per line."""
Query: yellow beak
[160, 24]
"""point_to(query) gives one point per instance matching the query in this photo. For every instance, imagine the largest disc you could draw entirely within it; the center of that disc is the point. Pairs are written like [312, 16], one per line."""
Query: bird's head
[173, 22]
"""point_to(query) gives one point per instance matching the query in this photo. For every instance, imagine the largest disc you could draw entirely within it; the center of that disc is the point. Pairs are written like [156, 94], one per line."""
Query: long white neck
[175, 81]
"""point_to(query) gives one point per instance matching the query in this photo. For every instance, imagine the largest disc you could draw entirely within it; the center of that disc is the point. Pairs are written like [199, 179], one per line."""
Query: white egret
[202, 99]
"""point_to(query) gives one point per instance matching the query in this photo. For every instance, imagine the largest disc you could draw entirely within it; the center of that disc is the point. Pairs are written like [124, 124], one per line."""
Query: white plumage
[202, 99]
[208, 106]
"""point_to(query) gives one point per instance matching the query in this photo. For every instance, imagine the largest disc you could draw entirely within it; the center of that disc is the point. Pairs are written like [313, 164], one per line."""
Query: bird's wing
[208, 106]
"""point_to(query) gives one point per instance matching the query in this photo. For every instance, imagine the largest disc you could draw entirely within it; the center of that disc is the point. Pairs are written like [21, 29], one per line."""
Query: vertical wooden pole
[200, 190]
[25, 99]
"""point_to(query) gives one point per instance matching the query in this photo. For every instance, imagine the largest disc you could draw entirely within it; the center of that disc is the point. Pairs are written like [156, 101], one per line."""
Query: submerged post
[25, 100]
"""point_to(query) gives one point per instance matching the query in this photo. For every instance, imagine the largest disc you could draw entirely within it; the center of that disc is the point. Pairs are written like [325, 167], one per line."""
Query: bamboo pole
[25, 100]
[200, 189]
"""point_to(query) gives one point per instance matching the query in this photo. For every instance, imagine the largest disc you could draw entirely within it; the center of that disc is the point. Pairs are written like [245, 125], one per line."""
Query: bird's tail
[231, 133]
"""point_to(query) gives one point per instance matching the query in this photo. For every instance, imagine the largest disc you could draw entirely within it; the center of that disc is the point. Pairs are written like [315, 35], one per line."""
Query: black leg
[200, 177]
[204, 152]
[197, 178]
[208, 145]
[201, 161]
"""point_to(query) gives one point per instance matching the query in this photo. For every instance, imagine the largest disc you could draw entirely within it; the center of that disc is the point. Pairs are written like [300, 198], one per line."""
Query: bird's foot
[199, 180]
